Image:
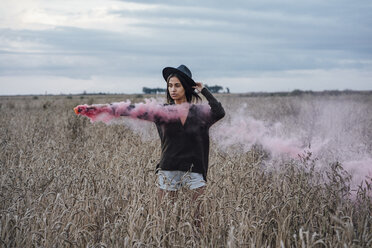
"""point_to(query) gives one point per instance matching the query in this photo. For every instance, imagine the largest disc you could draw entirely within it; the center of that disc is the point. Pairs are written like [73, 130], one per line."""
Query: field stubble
[66, 182]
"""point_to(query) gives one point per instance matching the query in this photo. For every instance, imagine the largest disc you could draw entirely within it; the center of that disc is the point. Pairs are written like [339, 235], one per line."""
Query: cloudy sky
[118, 46]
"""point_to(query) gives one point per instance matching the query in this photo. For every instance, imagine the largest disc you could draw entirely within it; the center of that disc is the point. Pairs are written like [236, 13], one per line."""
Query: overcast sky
[71, 46]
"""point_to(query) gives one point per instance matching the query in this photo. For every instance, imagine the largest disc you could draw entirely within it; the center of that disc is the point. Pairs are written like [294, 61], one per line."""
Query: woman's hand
[199, 86]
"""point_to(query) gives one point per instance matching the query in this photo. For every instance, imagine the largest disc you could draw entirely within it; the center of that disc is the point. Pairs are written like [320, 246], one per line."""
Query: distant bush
[296, 93]
[146, 90]
[214, 89]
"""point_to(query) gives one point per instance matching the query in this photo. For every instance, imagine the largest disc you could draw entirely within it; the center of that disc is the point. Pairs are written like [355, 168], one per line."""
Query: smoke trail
[151, 110]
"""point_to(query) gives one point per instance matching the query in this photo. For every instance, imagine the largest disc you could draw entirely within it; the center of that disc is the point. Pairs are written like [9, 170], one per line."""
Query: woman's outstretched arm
[106, 112]
[151, 110]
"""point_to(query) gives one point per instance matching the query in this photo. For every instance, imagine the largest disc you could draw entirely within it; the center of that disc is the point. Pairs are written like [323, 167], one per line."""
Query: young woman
[184, 136]
[185, 142]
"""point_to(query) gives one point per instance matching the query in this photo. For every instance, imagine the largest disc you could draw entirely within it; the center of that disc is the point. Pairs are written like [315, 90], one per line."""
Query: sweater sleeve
[147, 112]
[150, 111]
[217, 111]
[141, 112]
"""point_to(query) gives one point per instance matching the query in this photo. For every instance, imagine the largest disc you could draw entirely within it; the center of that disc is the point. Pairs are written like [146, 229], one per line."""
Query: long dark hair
[191, 95]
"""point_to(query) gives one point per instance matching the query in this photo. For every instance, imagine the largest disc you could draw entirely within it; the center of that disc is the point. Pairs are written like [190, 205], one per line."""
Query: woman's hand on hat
[199, 86]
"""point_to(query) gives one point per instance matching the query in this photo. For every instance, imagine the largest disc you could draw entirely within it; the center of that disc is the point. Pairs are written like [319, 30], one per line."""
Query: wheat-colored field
[66, 182]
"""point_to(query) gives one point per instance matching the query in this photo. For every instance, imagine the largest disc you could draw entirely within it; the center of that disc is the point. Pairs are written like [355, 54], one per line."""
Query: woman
[184, 136]
[185, 142]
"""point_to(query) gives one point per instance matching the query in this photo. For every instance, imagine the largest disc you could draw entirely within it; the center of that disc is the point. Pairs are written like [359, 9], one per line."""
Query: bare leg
[197, 192]
[197, 214]
[162, 193]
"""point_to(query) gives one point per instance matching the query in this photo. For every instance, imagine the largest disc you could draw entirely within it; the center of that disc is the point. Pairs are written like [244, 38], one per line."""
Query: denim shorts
[174, 180]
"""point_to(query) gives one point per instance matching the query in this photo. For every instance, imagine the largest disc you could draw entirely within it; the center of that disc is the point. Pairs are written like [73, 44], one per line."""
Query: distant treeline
[146, 90]
[213, 89]
[307, 92]
[217, 89]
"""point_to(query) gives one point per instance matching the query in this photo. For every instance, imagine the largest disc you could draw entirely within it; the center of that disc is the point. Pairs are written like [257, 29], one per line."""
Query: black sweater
[186, 147]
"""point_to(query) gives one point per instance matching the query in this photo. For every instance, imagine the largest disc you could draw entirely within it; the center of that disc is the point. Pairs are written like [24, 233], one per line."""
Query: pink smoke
[150, 110]
[244, 131]
[360, 170]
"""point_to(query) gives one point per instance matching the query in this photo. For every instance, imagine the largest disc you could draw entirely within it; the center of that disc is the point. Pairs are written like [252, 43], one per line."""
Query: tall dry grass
[68, 183]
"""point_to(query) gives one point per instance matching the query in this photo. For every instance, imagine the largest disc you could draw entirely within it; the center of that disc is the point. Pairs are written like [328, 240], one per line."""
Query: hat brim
[170, 70]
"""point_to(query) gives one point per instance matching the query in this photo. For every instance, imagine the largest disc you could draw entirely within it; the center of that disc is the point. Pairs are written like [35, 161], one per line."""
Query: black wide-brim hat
[182, 71]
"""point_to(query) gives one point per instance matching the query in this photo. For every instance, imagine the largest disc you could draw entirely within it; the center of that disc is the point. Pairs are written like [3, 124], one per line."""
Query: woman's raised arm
[217, 111]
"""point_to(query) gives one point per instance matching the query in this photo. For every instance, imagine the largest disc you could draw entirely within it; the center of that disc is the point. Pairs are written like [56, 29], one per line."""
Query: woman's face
[176, 90]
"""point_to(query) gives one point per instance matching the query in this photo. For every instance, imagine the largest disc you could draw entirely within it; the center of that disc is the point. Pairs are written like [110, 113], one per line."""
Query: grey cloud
[83, 53]
[356, 10]
[308, 30]
[77, 53]
[236, 38]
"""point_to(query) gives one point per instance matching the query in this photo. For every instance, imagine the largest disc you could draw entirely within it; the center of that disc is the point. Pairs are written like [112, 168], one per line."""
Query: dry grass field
[68, 183]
